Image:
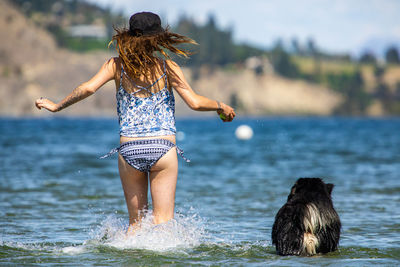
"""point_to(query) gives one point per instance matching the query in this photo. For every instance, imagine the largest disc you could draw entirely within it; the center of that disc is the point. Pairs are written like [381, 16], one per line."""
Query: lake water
[61, 205]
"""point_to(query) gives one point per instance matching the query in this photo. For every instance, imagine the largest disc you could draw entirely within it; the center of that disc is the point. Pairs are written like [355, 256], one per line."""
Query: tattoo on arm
[76, 95]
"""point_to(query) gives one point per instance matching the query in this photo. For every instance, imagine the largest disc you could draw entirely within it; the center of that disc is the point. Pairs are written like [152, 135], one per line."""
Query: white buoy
[244, 132]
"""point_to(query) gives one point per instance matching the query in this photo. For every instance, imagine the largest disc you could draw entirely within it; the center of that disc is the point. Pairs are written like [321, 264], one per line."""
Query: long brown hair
[138, 52]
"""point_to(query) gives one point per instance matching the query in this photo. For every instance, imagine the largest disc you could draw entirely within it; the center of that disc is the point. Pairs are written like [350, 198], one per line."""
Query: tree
[351, 86]
[392, 55]
[379, 71]
[216, 46]
[295, 46]
[368, 57]
[311, 47]
[282, 61]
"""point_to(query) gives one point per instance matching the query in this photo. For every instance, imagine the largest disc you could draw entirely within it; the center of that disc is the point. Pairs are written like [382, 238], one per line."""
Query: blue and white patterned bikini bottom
[143, 154]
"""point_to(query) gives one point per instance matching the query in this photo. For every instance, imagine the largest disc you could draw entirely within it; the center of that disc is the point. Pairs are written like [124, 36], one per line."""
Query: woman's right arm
[194, 101]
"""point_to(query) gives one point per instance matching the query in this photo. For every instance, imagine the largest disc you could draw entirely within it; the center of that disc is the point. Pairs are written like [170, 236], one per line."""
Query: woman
[146, 106]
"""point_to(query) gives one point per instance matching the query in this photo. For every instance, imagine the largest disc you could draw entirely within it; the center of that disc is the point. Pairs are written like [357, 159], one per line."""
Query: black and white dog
[308, 223]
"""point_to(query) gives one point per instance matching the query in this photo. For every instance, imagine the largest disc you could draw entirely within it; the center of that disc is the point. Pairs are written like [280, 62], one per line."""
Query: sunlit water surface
[61, 205]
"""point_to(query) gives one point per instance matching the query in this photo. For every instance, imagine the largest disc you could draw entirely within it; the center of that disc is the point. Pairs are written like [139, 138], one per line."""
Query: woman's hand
[47, 104]
[227, 111]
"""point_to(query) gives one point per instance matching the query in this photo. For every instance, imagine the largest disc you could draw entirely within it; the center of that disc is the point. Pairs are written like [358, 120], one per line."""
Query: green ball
[222, 116]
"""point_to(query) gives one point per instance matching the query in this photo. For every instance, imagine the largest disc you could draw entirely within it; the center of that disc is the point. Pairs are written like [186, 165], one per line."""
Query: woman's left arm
[105, 74]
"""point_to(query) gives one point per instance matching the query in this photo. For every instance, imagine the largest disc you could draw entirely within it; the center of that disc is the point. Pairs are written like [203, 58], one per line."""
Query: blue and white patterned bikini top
[146, 116]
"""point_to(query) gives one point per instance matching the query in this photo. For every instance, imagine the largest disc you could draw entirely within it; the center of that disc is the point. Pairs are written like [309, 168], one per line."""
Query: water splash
[180, 233]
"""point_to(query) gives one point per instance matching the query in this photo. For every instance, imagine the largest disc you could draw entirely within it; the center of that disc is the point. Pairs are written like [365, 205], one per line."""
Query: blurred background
[262, 57]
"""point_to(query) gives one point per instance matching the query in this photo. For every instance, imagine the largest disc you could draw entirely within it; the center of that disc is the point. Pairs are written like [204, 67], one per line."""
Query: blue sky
[335, 25]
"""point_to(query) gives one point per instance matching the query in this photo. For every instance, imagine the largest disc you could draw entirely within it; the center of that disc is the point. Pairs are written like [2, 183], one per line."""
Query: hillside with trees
[75, 24]
[364, 83]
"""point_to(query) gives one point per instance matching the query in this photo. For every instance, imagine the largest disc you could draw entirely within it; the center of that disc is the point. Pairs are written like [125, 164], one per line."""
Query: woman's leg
[163, 178]
[135, 185]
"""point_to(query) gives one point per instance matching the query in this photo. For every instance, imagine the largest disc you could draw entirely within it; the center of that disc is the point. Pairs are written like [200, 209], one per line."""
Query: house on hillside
[88, 31]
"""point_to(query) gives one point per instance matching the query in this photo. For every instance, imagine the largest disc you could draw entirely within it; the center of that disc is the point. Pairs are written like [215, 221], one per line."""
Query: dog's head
[310, 188]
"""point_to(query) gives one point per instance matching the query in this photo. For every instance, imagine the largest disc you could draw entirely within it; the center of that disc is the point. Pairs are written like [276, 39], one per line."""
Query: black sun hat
[145, 23]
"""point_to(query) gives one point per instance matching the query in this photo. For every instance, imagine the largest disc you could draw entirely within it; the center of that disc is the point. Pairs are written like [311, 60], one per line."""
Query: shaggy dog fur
[307, 224]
